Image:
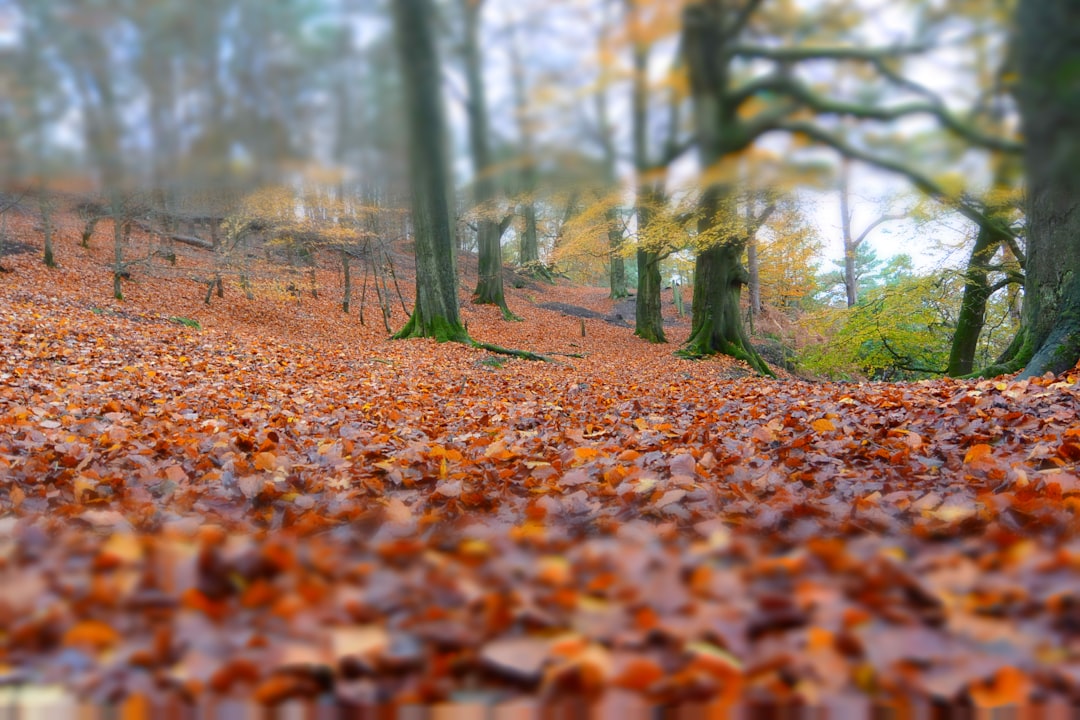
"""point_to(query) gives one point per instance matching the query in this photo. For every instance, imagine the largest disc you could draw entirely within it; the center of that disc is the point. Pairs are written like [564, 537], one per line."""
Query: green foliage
[902, 327]
[186, 322]
[898, 331]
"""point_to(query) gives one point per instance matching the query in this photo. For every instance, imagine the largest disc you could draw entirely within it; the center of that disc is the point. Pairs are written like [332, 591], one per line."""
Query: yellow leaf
[822, 425]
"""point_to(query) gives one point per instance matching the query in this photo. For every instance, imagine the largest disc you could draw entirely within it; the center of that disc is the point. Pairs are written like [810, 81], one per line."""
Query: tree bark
[1048, 94]
[435, 313]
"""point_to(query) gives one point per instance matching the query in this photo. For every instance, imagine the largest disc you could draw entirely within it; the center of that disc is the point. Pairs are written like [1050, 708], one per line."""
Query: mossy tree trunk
[977, 292]
[489, 284]
[1048, 51]
[435, 313]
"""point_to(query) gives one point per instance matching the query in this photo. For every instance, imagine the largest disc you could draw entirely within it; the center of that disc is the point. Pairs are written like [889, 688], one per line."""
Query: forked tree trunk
[435, 313]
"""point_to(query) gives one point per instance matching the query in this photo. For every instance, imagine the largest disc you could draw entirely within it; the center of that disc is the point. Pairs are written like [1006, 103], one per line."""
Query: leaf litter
[286, 506]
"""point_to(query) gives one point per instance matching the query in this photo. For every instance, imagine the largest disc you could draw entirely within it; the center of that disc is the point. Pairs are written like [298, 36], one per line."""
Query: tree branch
[798, 54]
[869, 228]
[802, 94]
[922, 182]
[742, 19]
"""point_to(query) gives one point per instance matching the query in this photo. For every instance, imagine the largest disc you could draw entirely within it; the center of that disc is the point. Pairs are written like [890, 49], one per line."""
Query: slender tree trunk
[851, 283]
[435, 313]
[1048, 51]
[753, 275]
[649, 323]
[617, 264]
[972, 317]
[489, 284]
[45, 204]
[118, 249]
[347, 294]
[530, 237]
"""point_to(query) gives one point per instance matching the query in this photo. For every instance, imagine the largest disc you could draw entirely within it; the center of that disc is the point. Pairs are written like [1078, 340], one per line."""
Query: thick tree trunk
[649, 323]
[489, 284]
[718, 327]
[719, 275]
[436, 311]
[1048, 51]
[972, 317]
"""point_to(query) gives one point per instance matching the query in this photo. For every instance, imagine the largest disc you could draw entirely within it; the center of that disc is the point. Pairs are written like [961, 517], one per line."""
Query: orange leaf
[822, 425]
[265, 461]
[94, 633]
[976, 453]
[639, 674]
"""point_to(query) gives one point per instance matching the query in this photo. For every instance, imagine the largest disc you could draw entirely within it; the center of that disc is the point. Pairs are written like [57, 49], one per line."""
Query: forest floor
[282, 505]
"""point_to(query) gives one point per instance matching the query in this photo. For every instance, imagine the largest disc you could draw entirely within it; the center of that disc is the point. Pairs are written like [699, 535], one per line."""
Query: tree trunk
[617, 264]
[489, 284]
[1048, 51]
[718, 326]
[530, 243]
[851, 283]
[46, 220]
[435, 313]
[972, 317]
[649, 323]
[754, 276]
[117, 210]
[719, 275]
[347, 293]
